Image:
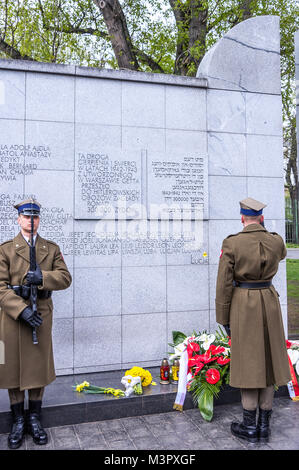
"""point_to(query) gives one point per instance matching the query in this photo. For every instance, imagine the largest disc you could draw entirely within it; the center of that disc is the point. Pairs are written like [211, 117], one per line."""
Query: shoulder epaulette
[233, 235]
[51, 242]
[5, 243]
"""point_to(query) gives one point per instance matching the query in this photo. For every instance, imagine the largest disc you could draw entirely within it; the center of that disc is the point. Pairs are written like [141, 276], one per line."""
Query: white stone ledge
[125, 75]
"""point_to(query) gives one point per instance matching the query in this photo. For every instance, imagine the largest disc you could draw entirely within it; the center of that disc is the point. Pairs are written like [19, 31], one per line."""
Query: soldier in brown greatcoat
[247, 304]
[28, 366]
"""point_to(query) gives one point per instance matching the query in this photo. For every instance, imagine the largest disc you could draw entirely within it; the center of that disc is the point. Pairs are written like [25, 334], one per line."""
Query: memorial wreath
[293, 356]
[204, 368]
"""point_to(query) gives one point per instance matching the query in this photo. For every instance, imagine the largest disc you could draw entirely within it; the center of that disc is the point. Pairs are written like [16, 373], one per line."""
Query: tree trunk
[119, 34]
[191, 22]
[12, 52]
[246, 9]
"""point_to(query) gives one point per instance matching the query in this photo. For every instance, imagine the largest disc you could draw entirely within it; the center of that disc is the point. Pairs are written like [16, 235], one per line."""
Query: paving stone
[162, 429]
[93, 442]
[203, 445]
[193, 438]
[147, 443]
[228, 443]
[116, 435]
[90, 436]
[182, 425]
[214, 430]
[111, 425]
[125, 444]
[3, 441]
[155, 418]
[284, 445]
[172, 431]
[177, 417]
[133, 422]
[88, 428]
[30, 445]
[140, 431]
[65, 437]
[173, 441]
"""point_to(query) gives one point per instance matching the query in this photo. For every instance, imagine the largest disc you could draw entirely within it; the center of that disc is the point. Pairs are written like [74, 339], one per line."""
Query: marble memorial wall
[139, 176]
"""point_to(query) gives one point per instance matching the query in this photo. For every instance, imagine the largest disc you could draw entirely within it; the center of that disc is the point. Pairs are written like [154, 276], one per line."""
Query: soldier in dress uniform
[28, 366]
[247, 304]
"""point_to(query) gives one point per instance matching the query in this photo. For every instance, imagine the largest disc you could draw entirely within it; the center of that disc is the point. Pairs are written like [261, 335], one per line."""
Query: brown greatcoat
[258, 348]
[27, 365]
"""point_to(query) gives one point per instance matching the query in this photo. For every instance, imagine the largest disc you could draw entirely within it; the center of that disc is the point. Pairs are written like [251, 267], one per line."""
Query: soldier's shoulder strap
[233, 234]
[50, 242]
[7, 242]
[45, 240]
[275, 233]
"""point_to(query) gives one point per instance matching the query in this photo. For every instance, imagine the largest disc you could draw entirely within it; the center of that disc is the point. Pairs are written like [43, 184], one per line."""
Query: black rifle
[33, 288]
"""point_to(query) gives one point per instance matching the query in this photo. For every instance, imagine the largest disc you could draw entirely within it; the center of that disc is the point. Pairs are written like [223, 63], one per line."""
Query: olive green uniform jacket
[258, 348]
[27, 365]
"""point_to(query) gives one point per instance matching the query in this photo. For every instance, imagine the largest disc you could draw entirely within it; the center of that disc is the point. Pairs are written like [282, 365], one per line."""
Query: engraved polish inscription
[103, 179]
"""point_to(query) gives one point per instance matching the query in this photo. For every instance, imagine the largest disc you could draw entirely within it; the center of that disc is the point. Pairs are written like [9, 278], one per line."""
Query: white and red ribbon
[184, 377]
[293, 386]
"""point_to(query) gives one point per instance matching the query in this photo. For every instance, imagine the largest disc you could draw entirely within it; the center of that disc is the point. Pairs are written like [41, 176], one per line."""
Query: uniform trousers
[17, 396]
[252, 398]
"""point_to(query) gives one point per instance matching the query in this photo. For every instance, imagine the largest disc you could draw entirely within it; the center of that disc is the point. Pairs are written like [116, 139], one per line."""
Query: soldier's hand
[227, 329]
[35, 277]
[28, 316]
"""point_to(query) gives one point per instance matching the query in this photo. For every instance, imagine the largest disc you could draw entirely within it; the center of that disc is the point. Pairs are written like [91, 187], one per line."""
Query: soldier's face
[24, 222]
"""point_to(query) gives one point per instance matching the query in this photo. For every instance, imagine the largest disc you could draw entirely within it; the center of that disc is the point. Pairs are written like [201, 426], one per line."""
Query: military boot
[247, 429]
[263, 425]
[34, 427]
[16, 436]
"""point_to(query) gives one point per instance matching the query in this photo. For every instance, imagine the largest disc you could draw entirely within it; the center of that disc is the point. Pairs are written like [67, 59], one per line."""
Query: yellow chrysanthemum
[145, 375]
[146, 379]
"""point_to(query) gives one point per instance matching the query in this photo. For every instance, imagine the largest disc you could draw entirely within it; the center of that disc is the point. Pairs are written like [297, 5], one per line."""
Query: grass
[293, 297]
[292, 245]
[293, 269]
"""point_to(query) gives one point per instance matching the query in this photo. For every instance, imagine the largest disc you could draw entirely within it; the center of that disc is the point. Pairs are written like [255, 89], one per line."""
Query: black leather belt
[252, 285]
[24, 292]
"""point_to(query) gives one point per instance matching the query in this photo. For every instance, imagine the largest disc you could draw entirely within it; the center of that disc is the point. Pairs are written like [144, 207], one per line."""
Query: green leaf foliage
[178, 337]
[203, 395]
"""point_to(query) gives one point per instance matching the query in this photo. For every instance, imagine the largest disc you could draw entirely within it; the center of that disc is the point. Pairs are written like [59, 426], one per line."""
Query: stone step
[63, 406]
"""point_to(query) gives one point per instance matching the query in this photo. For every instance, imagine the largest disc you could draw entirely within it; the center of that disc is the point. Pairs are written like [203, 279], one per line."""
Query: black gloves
[33, 319]
[227, 329]
[35, 277]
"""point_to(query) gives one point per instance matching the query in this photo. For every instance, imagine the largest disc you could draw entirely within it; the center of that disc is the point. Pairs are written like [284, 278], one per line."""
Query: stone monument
[140, 177]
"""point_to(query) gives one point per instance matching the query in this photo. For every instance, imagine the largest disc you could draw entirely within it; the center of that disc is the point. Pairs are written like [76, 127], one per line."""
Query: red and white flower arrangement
[293, 356]
[204, 368]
